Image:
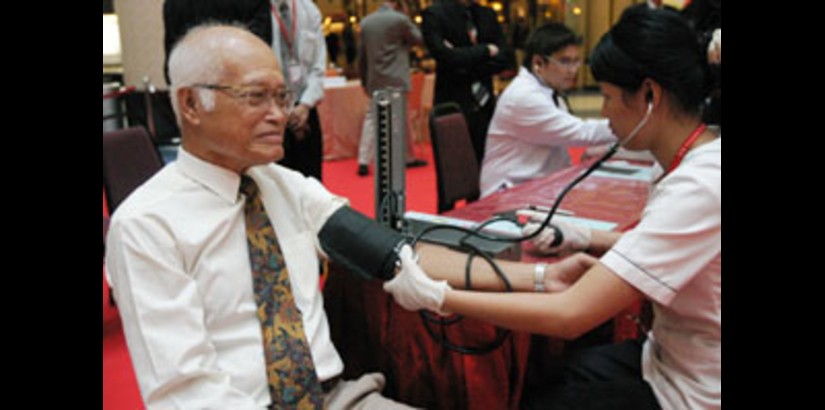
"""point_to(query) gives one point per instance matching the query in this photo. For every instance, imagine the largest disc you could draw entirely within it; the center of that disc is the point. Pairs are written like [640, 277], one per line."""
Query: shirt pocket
[302, 264]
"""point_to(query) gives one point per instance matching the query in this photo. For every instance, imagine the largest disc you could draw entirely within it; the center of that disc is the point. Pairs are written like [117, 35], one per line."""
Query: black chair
[456, 167]
[129, 159]
[153, 110]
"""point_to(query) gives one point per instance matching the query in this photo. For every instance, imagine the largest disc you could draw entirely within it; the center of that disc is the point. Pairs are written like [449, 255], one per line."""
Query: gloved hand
[413, 289]
[573, 237]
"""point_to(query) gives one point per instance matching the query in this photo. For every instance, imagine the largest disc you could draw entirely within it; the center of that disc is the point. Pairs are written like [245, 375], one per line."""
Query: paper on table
[590, 223]
[333, 82]
[506, 228]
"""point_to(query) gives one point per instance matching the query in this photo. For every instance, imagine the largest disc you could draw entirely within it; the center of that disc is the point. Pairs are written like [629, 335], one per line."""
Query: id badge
[296, 73]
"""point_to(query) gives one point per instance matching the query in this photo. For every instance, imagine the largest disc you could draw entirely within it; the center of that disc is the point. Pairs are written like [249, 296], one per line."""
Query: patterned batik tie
[293, 383]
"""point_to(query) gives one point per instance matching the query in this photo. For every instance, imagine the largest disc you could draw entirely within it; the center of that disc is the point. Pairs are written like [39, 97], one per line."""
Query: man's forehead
[572, 50]
[264, 76]
[251, 63]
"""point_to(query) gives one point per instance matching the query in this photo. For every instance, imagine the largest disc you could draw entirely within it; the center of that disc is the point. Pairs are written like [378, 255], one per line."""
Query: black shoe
[416, 163]
[363, 170]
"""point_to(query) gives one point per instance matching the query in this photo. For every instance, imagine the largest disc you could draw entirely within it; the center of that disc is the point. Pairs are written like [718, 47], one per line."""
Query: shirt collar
[523, 71]
[221, 181]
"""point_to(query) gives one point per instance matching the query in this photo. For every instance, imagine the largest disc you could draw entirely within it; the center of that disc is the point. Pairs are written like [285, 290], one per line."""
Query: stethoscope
[428, 318]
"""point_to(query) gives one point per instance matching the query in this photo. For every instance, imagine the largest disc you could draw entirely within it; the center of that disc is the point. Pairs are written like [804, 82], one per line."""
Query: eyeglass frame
[566, 64]
[242, 92]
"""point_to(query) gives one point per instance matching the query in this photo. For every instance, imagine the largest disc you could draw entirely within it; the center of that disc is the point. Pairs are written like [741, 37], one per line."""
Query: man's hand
[574, 237]
[413, 289]
[298, 121]
[563, 274]
[493, 49]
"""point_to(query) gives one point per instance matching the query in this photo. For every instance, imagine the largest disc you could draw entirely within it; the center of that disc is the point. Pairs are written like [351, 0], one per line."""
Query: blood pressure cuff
[360, 244]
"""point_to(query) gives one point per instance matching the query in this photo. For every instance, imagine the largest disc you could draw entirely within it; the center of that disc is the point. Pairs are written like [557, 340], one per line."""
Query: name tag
[296, 73]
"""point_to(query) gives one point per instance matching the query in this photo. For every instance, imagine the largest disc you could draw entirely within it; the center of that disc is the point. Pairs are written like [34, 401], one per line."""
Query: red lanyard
[677, 159]
[287, 36]
[680, 154]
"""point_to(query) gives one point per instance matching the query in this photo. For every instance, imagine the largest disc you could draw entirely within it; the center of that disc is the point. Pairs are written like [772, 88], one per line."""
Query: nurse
[653, 76]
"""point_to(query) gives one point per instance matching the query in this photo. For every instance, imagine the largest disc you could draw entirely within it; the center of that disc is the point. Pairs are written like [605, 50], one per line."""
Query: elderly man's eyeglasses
[566, 63]
[255, 96]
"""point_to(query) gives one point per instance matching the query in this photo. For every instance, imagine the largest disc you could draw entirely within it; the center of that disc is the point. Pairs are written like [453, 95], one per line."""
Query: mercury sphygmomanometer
[361, 245]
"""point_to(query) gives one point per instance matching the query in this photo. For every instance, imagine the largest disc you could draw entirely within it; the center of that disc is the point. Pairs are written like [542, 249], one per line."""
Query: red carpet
[340, 178]
[120, 391]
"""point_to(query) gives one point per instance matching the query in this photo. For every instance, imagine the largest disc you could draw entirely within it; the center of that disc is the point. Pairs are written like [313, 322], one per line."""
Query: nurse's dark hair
[657, 44]
[546, 40]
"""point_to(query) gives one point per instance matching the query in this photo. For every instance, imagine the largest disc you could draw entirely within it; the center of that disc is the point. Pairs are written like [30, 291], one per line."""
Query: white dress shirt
[529, 135]
[311, 46]
[179, 264]
[674, 257]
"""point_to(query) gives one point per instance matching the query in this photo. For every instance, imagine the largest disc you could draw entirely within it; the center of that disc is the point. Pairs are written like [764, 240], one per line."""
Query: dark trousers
[603, 377]
[305, 155]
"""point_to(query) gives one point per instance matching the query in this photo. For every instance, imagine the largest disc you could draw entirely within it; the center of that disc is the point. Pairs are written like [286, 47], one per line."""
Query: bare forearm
[445, 264]
[598, 296]
[602, 241]
[535, 313]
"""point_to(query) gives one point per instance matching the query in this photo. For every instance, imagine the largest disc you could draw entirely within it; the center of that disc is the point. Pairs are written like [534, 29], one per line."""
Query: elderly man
[214, 260]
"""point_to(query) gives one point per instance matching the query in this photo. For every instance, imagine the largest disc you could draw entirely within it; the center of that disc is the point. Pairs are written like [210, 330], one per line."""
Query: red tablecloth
[344, 107]
[373, 333]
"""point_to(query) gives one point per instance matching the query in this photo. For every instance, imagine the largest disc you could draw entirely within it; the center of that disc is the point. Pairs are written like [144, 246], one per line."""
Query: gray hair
[194, 61]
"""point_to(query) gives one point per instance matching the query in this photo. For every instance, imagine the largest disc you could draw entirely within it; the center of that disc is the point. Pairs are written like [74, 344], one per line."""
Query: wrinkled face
[246, 125]
[559, 70]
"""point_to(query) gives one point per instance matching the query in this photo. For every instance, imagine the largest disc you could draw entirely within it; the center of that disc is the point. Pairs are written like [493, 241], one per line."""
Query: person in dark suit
[469, 47]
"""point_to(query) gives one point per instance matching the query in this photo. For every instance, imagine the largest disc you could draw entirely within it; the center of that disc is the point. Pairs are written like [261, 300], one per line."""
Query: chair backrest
[153, 110]
[129, 159]
[456, 167]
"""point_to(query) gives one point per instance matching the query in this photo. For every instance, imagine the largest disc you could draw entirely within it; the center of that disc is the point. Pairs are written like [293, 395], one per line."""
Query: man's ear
[536, 62]
[189, 104]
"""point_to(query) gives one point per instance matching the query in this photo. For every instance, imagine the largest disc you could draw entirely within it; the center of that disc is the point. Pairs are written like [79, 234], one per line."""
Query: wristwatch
[538, 276]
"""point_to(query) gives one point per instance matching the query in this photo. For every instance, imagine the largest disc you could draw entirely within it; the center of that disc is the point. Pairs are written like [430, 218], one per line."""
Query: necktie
[289, 367]
[286, 36]
[285, 17]
[471, 26]
[558, 98]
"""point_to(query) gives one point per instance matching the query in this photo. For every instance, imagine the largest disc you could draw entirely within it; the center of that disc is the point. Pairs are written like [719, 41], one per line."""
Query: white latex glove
[574, 237]
[413, 289]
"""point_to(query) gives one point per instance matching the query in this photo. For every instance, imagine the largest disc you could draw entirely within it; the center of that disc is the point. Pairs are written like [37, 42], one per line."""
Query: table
[344, 107]
[342, 114]
[372, 333]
